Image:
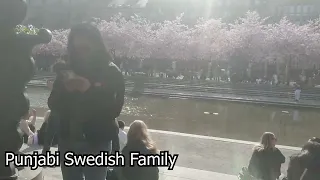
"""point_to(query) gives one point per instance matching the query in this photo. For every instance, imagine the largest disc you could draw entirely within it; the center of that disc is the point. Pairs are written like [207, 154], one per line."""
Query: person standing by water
[297, 92]
[87, 96]
[266, 160]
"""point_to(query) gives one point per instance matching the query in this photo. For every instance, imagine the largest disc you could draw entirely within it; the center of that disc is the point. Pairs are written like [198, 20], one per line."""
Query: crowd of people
[86, 98]
[227, 71]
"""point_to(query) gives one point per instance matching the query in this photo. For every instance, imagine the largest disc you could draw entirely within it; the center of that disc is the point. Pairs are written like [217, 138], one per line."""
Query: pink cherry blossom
[250, 38]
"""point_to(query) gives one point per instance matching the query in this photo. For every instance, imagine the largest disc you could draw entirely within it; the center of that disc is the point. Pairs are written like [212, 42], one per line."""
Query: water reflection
[211, 118]
[224, 119]
[296, 116]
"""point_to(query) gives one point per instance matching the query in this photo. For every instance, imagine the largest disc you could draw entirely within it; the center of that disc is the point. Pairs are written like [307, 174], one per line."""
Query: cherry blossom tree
[127, 38]
[288, 41]
[249, 38]
[209, 39]
[57, 46]
[170, 39]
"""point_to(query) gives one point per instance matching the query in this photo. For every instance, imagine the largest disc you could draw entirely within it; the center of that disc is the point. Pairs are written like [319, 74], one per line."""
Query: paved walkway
[179, 173]
[234, 98]
[200, 157]
[288, 102]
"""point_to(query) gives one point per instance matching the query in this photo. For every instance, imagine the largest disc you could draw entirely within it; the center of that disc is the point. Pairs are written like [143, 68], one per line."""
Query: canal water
[213, 118]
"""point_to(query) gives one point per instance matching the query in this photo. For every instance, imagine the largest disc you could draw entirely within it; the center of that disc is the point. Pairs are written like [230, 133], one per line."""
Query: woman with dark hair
[87, 95]
[266, 160]
[306, 164]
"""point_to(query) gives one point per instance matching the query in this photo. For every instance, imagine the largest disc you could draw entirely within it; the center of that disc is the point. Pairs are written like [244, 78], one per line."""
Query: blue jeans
[80, 173]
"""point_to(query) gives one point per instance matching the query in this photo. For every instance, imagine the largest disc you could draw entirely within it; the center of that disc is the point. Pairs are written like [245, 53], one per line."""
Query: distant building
[299, 11]
[63, 13]
[57, 14]
[263, 7]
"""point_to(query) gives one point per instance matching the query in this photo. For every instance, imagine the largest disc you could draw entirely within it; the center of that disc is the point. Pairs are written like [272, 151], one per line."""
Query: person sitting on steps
[139, 140]
[305, 165]
[266, 160]
[27, 124]
[31, 136]
[122, 135]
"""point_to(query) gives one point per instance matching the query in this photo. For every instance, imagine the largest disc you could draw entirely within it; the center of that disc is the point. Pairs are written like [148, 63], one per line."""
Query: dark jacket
[266, 164]
[136, 172]
[93, 113]
[308, 158]
[49, 131]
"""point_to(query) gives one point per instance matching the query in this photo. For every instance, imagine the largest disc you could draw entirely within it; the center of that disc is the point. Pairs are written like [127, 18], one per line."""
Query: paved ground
[200, 157]
[179, 173]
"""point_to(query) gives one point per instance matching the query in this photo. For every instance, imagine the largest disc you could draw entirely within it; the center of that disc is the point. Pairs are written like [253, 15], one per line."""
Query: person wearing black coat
[49, 131]
[305, 165]
[87, 96]
[266, 160]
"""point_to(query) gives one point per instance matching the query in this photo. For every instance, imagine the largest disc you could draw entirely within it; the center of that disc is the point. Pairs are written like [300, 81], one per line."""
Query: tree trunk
[209, 69]
[277, 68]
[266, 69]
[249, 70]
[287, 78]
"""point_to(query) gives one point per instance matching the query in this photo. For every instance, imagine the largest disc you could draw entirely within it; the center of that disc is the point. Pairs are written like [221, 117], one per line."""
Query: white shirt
[122, 138]
[275, 78]
[297, 94]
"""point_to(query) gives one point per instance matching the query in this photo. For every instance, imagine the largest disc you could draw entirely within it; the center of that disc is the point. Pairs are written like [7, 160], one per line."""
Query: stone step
[202, 84]
[28, 174]
[179, 173]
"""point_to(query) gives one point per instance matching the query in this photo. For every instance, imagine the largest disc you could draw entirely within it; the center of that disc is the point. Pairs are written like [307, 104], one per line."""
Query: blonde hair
[265, 141]
[138, 131]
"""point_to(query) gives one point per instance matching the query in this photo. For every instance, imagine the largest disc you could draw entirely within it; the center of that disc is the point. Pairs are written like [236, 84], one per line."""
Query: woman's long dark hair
[101, 56]
[310, 154]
